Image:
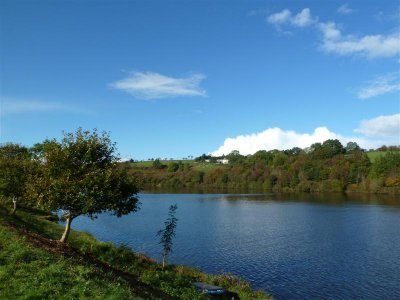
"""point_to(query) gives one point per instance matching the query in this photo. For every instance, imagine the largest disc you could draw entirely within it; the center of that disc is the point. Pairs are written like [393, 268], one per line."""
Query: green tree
[14, 172]
[202, 158]
[80, 176]
[260, 156]
[158, 165]
[173, 167]
[351, 147]
[198, 177]
[360, 166]
[295, 151]
[168, 233]
[332, 148]
[279, 159]
[235, 157]
[385, 164]
[327, 149]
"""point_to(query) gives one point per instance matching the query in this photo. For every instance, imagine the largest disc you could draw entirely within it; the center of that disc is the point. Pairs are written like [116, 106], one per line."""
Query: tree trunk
[15, 206]
[163, 262]
[39, 201]
[67, 229]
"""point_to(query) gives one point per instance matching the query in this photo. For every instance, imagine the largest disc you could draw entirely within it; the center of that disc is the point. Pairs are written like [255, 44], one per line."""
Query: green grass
[29, 272]
[149, 163]
[372, 155]
[145, 164]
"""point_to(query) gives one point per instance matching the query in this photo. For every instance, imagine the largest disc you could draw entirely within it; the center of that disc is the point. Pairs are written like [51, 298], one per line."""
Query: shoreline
[143, 275]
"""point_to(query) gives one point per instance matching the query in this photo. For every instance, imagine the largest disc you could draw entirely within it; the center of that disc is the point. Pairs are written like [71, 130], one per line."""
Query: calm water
[294, 247]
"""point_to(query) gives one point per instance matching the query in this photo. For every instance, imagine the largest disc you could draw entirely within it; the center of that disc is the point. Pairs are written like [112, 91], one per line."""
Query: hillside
[35, 265]
[324, 169]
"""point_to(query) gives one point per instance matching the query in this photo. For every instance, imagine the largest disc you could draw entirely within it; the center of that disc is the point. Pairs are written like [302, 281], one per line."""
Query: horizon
[176, 79]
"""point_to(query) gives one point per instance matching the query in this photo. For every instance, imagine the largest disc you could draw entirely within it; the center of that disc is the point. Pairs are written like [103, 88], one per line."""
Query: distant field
[374, 154]
[142, 164]
[210, 166]
[195, 165]
[149, 163]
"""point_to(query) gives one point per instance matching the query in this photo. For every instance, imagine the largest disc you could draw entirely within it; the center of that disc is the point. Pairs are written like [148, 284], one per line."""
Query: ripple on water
[293, 249]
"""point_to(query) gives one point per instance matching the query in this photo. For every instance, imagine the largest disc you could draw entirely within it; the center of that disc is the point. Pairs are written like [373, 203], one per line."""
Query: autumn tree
[80, 176]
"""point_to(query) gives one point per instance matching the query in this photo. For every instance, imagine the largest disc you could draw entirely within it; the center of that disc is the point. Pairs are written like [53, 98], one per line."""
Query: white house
[223, 161]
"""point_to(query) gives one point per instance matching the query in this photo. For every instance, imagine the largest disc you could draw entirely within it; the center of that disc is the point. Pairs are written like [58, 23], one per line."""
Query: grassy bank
[29, 272]
[33, 264]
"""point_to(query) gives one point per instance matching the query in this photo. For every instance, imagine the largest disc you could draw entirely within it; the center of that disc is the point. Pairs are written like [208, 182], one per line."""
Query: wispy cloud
[29, 106]
[303, 18]
[381, 85]
[372, 46]
[285, 17]
[279, 18]
[382, 126]
[150, 85]
[334, 41]
[388, 15]
[345, 9]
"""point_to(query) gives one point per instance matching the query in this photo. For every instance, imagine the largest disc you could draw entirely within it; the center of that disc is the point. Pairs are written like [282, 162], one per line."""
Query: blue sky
[179, 78]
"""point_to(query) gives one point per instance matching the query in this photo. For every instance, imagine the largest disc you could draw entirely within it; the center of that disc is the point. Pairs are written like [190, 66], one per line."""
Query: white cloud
[345, 9]
[150, 85]
[280, 18]
[17, 106]
[371, 46]
[381, 85]
[302, 19]
[382, 126]
[334, 41]
[330, 31]
[276, 138]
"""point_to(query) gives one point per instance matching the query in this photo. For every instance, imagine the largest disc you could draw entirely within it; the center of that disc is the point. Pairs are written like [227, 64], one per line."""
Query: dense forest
[323, 167]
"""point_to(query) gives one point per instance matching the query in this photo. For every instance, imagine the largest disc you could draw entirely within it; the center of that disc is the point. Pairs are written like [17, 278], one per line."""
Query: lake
[292, 246]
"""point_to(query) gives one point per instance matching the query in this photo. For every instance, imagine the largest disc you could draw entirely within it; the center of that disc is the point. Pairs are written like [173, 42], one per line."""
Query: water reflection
[324, 198]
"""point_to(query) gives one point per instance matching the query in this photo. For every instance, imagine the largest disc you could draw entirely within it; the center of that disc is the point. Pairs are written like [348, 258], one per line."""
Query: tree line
[323, 167]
